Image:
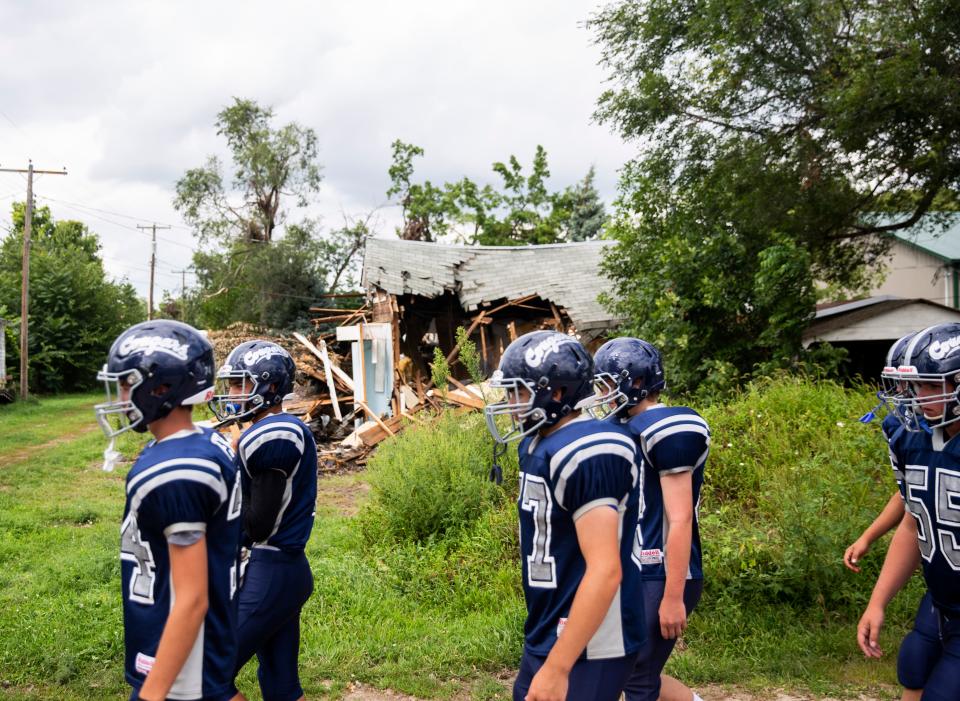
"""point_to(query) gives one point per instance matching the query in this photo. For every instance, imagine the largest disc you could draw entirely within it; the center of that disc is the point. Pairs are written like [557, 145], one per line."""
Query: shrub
[792, 479]
[433, 480]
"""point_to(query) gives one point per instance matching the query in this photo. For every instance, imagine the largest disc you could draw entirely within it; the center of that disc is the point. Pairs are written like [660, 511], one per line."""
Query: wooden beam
[329, 377]
[372, 415]
[344, 377]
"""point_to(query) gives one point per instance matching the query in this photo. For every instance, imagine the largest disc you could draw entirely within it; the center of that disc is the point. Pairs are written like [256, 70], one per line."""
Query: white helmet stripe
[908, 353]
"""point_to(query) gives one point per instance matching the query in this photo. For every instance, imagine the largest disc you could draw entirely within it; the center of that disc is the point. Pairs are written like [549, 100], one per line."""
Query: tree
[770, 134]
[255, 265]
[585, 211]
[269, 284]
[75, 312]
[269, 163]
[522, 211]
[426, 209]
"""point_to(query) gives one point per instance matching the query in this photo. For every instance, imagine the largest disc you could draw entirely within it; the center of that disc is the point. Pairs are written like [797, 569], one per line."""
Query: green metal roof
[938, 235]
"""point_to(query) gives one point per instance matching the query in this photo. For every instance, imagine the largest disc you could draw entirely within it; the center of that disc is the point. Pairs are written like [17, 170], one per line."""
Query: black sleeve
[262, 504]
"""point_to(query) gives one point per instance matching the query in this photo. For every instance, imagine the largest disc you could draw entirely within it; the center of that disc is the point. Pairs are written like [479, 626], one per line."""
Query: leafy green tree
[268, 284]
[521, 211]
[75, 311]
[255, 264]
[427, 210]
[584, 211]
[268, 164]
[769, 135]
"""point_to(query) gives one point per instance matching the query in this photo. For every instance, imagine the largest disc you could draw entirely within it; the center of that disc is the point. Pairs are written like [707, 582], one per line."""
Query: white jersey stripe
[649, 443]
[192, 462]
[608, 436]
[144, 489]
[255, 431]
[573, 463]
[674, 419]
[248, 449]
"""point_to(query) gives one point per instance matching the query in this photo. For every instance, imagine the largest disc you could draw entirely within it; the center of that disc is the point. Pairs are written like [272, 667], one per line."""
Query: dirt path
[68, 436]
[359, 692]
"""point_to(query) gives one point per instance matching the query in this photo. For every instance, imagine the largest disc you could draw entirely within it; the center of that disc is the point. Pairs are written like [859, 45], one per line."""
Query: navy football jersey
[931, 479]
[186, 483]
[671, 439]
[582, 465]
[283, 442]
[891, 428]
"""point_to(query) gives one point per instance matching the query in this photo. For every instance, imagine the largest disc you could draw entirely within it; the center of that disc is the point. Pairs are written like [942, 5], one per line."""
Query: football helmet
[532, 368]
[627, 371]
[264, 372]
[931, 357]
[890, 387]
[152, 368]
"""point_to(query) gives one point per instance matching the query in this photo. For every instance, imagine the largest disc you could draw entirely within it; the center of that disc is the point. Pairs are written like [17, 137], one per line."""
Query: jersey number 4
[947, 506]
[134, 550]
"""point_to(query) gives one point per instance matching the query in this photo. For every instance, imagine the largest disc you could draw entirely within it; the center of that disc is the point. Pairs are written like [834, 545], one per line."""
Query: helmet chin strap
[111, 456]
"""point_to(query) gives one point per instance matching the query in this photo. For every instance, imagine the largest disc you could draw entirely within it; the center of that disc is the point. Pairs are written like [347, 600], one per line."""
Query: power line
[116, 223]
[119, 214]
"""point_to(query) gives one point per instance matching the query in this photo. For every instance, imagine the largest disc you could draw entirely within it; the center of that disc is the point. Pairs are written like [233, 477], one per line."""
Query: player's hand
[548, 684]
[855, 552]
[868, 631]
[673, 618]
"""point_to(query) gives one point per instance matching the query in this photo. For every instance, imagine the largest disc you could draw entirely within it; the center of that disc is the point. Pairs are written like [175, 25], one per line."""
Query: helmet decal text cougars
[153, 344]
[540, 352]
[253, 356]
[941, 349]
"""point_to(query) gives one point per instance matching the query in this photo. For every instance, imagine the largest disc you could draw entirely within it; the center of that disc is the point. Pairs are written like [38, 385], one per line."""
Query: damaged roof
[567, 274]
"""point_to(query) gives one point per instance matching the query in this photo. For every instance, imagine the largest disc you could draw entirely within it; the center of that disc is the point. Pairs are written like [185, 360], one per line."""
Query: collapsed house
[424, 291]
[366, 369]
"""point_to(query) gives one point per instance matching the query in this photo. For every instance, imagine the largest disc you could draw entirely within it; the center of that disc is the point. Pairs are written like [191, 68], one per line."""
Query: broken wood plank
[328, 374]
[373, 415]
[372, 433]
[344, 377]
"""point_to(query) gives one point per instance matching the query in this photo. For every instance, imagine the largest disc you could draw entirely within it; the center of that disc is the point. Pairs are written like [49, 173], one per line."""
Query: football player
[673, 442]
[181, 524]
[277, 457]
[929, 533]
[920, 648]
[578, 504]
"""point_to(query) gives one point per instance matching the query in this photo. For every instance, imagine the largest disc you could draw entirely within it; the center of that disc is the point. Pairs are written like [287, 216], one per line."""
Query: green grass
[436, 610]
[60, 608]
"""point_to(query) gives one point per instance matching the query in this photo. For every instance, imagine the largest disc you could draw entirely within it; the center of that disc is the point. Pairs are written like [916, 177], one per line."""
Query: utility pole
[25, 280]
[183, 291]
[153, 265]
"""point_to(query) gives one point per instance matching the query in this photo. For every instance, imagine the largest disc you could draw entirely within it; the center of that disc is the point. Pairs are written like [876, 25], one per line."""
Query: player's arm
[888, 519]
[902, 560]
[263, 506]
[597, 536]
[269, 458]
[678, 506]
[188, 570]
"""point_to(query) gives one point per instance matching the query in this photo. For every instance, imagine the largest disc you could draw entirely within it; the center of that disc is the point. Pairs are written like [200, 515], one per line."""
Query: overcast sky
[124, 95]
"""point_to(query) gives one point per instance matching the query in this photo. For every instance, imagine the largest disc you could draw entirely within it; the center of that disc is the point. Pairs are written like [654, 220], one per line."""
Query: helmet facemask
[525, 417]
[235, 395]
[117, 415]
[609, 398]
[910, 402]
